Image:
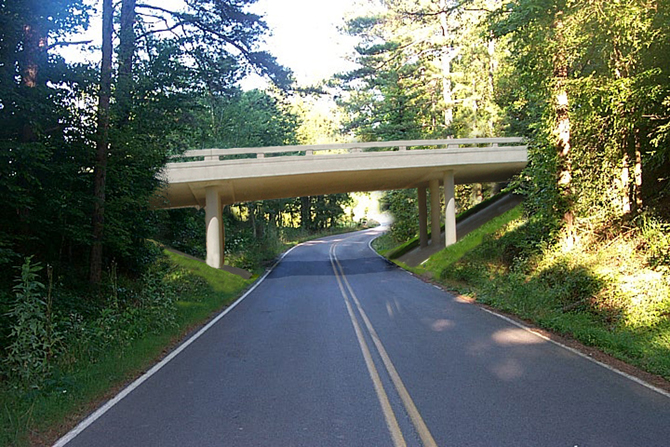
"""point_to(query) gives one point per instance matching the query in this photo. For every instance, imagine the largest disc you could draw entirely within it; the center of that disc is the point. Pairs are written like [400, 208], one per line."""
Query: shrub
[573, 285]
[33, 337]
[656, 235]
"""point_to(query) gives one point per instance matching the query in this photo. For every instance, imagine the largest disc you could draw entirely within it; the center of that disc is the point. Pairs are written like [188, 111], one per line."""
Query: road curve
[335, 347]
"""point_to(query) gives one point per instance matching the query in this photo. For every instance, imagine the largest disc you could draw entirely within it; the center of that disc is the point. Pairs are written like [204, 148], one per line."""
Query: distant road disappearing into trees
[336, 347]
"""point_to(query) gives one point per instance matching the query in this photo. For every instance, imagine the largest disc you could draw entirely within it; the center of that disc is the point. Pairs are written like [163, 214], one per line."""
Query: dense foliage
[81, 147]
[62, 194]
[587, 82]
[66, 354]
[606, 64]
[427, 69]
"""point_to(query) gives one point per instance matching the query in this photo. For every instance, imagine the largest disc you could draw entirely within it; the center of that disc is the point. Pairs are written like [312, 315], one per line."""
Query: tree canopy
[585, 81]
[81, 145]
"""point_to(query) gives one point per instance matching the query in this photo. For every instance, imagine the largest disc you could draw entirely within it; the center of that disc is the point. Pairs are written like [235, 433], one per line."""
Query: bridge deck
[293, 171]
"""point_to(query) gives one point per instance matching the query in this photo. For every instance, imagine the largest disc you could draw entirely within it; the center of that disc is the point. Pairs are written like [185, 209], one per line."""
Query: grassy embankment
[612, 293]
[99, 354]
[79, 384]
[392, 250]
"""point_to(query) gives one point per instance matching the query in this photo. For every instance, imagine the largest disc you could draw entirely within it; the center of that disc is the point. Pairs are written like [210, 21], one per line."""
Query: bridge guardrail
[252, 153]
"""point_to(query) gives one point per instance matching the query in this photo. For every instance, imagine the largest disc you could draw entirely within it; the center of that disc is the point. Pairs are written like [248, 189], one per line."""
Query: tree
[102, 142]
[217, 38]
[216, 32]
[77, 180]
[427, 71]
[440, 59]
[404, 207]
[383, 98]
[41, 149]
[582, 76]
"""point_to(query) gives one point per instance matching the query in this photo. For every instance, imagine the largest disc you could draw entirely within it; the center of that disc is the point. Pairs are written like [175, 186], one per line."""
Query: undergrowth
[390, 247]
[61, 360]
[608, 288]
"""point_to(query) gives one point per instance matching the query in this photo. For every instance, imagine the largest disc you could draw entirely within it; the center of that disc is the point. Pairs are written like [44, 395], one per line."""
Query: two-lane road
[335, 347]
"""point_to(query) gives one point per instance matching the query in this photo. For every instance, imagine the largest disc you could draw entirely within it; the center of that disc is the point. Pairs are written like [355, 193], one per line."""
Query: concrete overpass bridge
[213, 178]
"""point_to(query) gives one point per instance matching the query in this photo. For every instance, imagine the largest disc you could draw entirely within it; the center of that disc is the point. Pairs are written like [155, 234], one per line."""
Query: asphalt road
[338, 348]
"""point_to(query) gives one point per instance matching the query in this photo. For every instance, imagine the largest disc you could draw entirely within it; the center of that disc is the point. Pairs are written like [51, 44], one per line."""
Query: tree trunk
[476, 196]
[638, 171]
[493, 67]
[33, 58]
[448, 55]
[562, 108]
[102, 142]
[34, 54]
[626, 187]
[252, 216]
[124, 84]
[632, 184]
[305, 213]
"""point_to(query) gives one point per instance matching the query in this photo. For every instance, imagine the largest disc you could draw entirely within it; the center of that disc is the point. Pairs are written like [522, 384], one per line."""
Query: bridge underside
[213, 182]
[193, 194]
[240, 181]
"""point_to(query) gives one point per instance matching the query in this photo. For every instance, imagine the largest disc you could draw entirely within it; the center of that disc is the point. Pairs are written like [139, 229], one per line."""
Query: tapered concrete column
[449, 209]
[213, 219]
[423, 217]
[434, 211]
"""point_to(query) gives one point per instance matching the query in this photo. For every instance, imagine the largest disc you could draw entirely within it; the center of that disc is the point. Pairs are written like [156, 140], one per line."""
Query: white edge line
[387, 259]
[139, 381]
[370, 244]
[579, 353]
[573, 350]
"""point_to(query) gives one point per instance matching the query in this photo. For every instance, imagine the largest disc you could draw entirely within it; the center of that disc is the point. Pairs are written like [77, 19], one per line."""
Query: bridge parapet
[222, 155]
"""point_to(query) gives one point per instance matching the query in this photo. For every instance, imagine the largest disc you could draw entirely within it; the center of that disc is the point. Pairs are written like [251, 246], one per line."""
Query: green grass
[442, 260]
[384, 243]
[221, 282]
[601, 293]
[396, 251]
[42, 416]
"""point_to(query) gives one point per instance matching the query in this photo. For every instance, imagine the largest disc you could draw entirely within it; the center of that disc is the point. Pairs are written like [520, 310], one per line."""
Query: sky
[304, 37]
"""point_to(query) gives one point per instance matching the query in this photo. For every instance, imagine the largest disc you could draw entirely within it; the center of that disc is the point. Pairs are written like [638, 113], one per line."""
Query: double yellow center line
[389, 414]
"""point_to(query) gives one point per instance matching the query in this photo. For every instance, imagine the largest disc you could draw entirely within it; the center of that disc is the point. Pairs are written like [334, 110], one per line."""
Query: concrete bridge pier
[423, 216]
[449, 209]
[434, 186]
[215, 231]
[435, 206]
